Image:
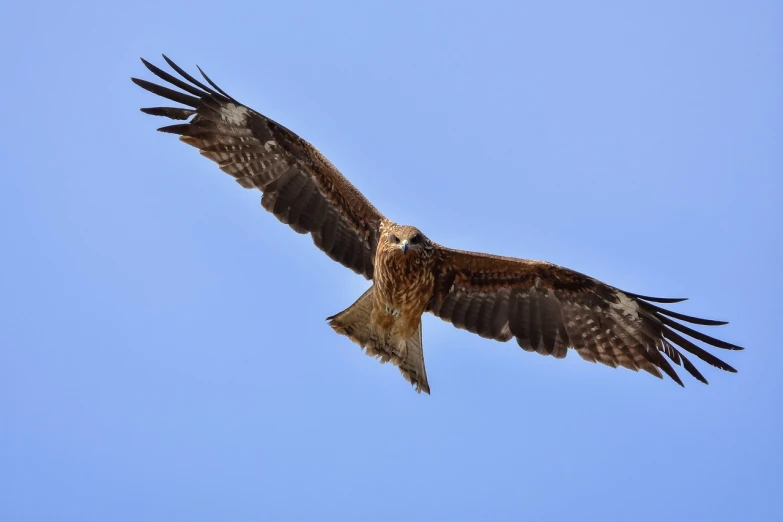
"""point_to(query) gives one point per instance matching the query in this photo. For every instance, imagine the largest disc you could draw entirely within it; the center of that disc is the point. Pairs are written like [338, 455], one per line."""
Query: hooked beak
[404, 245]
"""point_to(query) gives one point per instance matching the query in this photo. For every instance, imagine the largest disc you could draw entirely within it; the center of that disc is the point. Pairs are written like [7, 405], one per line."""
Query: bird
[545, 308]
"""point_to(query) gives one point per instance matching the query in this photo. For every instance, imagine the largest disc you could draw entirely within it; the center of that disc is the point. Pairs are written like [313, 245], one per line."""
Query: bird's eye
[395, 238]
[416, 239]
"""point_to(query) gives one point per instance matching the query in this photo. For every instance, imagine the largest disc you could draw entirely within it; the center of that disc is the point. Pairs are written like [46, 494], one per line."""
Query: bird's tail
[407, 354]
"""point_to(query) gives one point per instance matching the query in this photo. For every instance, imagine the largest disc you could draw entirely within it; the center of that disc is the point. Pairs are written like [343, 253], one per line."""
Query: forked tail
[407, 354]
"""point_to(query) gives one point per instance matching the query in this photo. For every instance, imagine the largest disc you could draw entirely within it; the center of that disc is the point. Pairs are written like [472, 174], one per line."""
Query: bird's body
[386, 320]
[404, 278]
[546, 308]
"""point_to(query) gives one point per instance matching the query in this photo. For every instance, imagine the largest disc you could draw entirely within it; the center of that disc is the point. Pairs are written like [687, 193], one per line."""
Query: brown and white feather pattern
[300, 187]
[548, 309]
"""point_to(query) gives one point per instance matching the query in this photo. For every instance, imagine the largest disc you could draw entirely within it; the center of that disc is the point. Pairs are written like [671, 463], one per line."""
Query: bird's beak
[404, 245]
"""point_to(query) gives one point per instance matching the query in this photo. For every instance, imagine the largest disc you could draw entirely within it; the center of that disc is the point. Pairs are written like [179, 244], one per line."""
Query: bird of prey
[545, 308]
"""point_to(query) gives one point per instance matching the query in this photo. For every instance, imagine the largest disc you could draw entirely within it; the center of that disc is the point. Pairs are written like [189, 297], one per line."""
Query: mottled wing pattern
[549, 309]
[300, 187]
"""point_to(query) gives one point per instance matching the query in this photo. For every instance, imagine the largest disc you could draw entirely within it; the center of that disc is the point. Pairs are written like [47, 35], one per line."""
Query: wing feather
[300, 186]
[548, 309]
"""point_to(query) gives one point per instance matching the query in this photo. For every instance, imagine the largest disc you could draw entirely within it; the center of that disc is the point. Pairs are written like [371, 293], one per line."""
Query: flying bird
[544, 307]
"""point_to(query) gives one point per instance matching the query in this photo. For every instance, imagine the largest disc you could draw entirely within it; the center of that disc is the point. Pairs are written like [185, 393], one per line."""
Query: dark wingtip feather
[187, 76]
[712, 341]
[664, 365]
[213, 84]
[681, 317]
[165, 92]
[666, 300]
[169, 112]
[699, 352]
[690, 368]
[163, 75]
[181, 128]
[695, 320]
[676, 378]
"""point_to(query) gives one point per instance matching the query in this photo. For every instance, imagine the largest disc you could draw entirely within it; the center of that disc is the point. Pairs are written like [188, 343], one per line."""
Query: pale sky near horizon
[163, 349]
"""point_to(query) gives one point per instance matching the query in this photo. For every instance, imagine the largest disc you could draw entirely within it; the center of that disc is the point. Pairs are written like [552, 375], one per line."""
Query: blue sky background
[164, 354]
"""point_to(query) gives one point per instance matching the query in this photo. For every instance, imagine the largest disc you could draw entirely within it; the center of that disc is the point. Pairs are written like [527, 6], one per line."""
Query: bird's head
[406, 240]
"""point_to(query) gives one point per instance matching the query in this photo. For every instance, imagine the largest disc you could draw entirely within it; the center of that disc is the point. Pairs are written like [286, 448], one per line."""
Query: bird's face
[406, 240]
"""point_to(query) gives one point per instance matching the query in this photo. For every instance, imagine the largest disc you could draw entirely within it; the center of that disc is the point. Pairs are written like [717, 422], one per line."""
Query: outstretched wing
[549, 309]
[300, 186]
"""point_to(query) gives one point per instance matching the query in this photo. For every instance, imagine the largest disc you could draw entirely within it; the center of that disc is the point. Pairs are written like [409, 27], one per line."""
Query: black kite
[544, 307]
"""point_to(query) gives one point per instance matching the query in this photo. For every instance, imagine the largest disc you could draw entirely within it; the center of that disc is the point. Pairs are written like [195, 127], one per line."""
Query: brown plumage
[546, 308]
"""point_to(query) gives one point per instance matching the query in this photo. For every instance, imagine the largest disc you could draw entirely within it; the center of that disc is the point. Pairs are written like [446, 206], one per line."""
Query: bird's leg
[381, 317]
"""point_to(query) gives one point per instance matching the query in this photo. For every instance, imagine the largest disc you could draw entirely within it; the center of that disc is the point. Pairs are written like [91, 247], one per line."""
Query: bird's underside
[545, 308]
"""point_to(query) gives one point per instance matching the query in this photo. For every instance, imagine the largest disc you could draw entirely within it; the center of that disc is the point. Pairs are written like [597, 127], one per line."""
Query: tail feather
[407, 354]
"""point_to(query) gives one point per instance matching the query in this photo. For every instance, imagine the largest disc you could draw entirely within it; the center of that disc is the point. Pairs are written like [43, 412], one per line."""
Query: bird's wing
[549, 309]
[299, 185]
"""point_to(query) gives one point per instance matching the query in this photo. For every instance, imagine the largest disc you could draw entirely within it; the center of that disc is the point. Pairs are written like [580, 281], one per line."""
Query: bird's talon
[392, 311]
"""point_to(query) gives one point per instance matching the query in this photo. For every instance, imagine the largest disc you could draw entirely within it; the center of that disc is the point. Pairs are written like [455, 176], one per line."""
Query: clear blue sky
[163, 349]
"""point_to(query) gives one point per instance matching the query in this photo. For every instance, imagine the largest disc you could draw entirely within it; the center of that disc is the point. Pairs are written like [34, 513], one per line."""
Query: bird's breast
[404, 282]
